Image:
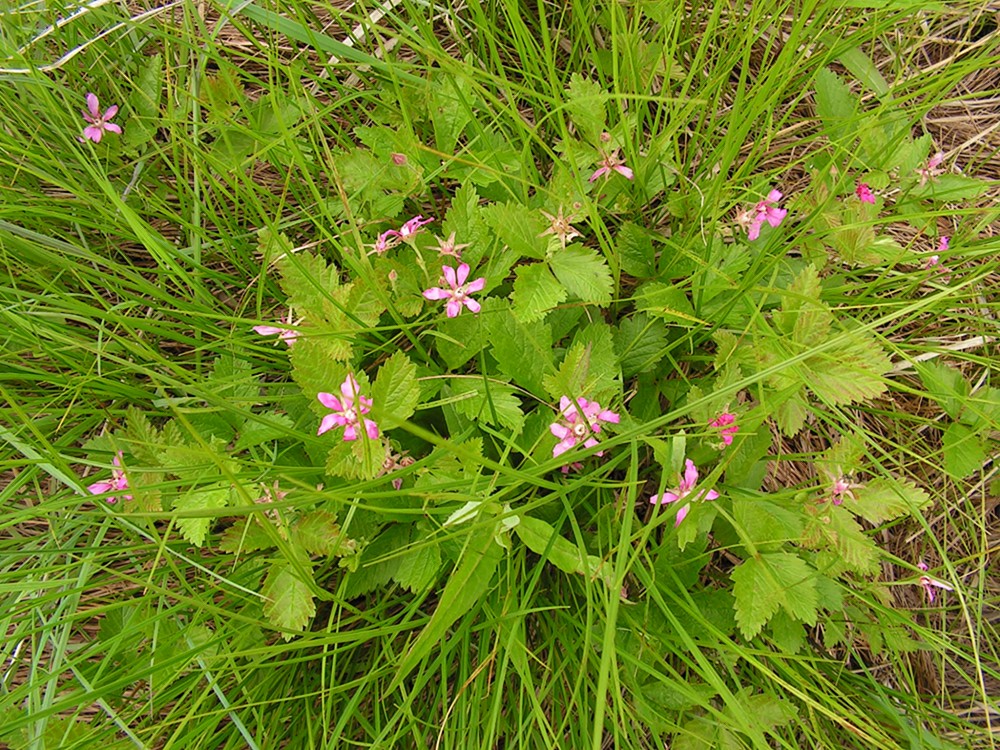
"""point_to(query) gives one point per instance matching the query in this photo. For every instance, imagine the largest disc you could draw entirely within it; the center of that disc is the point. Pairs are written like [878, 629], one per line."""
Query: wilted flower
[929, 584]
[348, 411]
[930, 170]
[611, 163]
[727, 422]
[117, 483]
[560, 227]
[766, 210]
[98, 122]
[391, 237]
[398, 159]
[394, 462]
[864, 193]
[459, 292]
[685, 487]
[448, 247]
[412, 226]
[580, 421]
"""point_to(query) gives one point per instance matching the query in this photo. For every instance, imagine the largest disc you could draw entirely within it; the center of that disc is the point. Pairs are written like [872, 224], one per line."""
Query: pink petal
[330, 401]
[753, 232]
[268, 330]
[93, 105]
[561, 431]
[99, 488]
[475, 286]
[472, 304]
[371, 429]
[599, 172]
[112, 127]
[449, 276]
[453, 308]
[710, 495]
[590, 442]
[110, 112]
[565, 406]
[666, 497]
[350, 433]
[624, 171]
[774, 216]
[328, 423]
[690, 474]
[463, 274]
[93, 132]
[349, 388]
[774, 196]
[609, 416]
[682, 514]
[563, 445]
[436, 293]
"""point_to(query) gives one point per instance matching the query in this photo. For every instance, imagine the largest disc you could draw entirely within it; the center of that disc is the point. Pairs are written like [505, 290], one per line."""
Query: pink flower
[864, 193]
[388, 239]
[98, 122]
[391, 237]
[727, 422]
[288, 335]
[579, 423]
[411, 227]
[929, 584]
[841, 489]
[765, 210]
[612, 163]
[118, 482]
[459, 293]
[686, 485]
[930, 171]
[347, 411]
[943, 243]
[398, 159]
[448, 247]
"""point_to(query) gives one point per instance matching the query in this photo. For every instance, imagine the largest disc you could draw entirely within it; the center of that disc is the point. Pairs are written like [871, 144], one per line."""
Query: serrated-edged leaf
[518, 227]
[946, 385]
[357, 459]
[289, 601]
[766, 523]
[513, 342]
[841, 533]
[951, 188]
[850, 372]
[884, 499]
[378, 562]
[318, 533]
[536, 291]
[246, 535]
[460, 339]
[144, 102]
[640, 343]
[589, 370]
[584, 273]
[636, 251]
[308, 281]
[315, 370]
[763, 583]
[585, 102]
[206, 499]
[489, 402]
[269, 426]
[835, 105]
[419, 567]
[396, 392]
[964, 451]
[665, 301]
[468, 583]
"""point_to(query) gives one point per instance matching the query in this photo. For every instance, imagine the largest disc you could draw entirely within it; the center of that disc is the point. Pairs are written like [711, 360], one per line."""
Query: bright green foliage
[542, 539]
[836, 106]
[204, 499]
[517, 227]
[489, 402]
[585, 102]
[584, 273]
[289, 604]
[590, 366]
[395, 394]
[640, 344]
[765, 582]
[512, 343]
[536, 291]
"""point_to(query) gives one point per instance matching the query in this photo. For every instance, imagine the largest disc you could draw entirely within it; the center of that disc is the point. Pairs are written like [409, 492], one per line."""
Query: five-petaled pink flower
[766, 210]
[611, 163]
[98, 122]
[118, 482]
[579, 422]
[685, 487]
[459, 292]
[864, 193]
[288, 335]
[727, 422]
[929, 584]
[348, 411]
[931, 170]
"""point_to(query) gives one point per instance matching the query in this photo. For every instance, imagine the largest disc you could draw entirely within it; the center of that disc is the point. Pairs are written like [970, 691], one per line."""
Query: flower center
[459, 293]
[579, 429]
[350, 414]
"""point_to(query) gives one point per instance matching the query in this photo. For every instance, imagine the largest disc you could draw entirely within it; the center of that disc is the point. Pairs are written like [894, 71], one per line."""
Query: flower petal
[682, 514]
[330, 401]
[472, 304]
[328, 423]
[110, 112]
[93, 105]
[371, 429]
[436, 293]
[449, 276]
[561, 431]
[463, 273]
[475, 286]
[453, 308]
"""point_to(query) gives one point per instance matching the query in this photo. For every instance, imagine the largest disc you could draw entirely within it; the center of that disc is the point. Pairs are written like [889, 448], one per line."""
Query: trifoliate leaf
[584, 273]
[396, 392]
[835, 105]
[419, 567]
[665, 301]
[536, 291]
[946, 385]
[357, 459]
[262, 428]
[308, 281]
[248, 534]
[850, 372]
[964, 451]
[518, 227]
[289, 604]
[635, 249]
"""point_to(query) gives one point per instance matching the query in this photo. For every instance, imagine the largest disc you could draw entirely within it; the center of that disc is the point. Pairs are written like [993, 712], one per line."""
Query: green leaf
[585, 102]
[318, 533]
[450, 108]
[518, 227]
[835, 105]
[589, 368]
[289, 604]
[636, 253]
[315, 369]
[357, 459]
[263, 428]
[489, 402]
[212, 498]
[768, 581]
[964, 451]
[838, 531]
[542, 539]
[766, 524]
[536, 291]
[396, 392]
[884, 499]
[308, 281]
[951, 188]
[144, 102]
[946, 385]
[513, 343]
[640, 344]
[665, 301]
[584, 273]
[862, 67]
[419, 567]
[803, 315]
[461, 338]
[850, 372]
[467, 584]
[246, 535]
